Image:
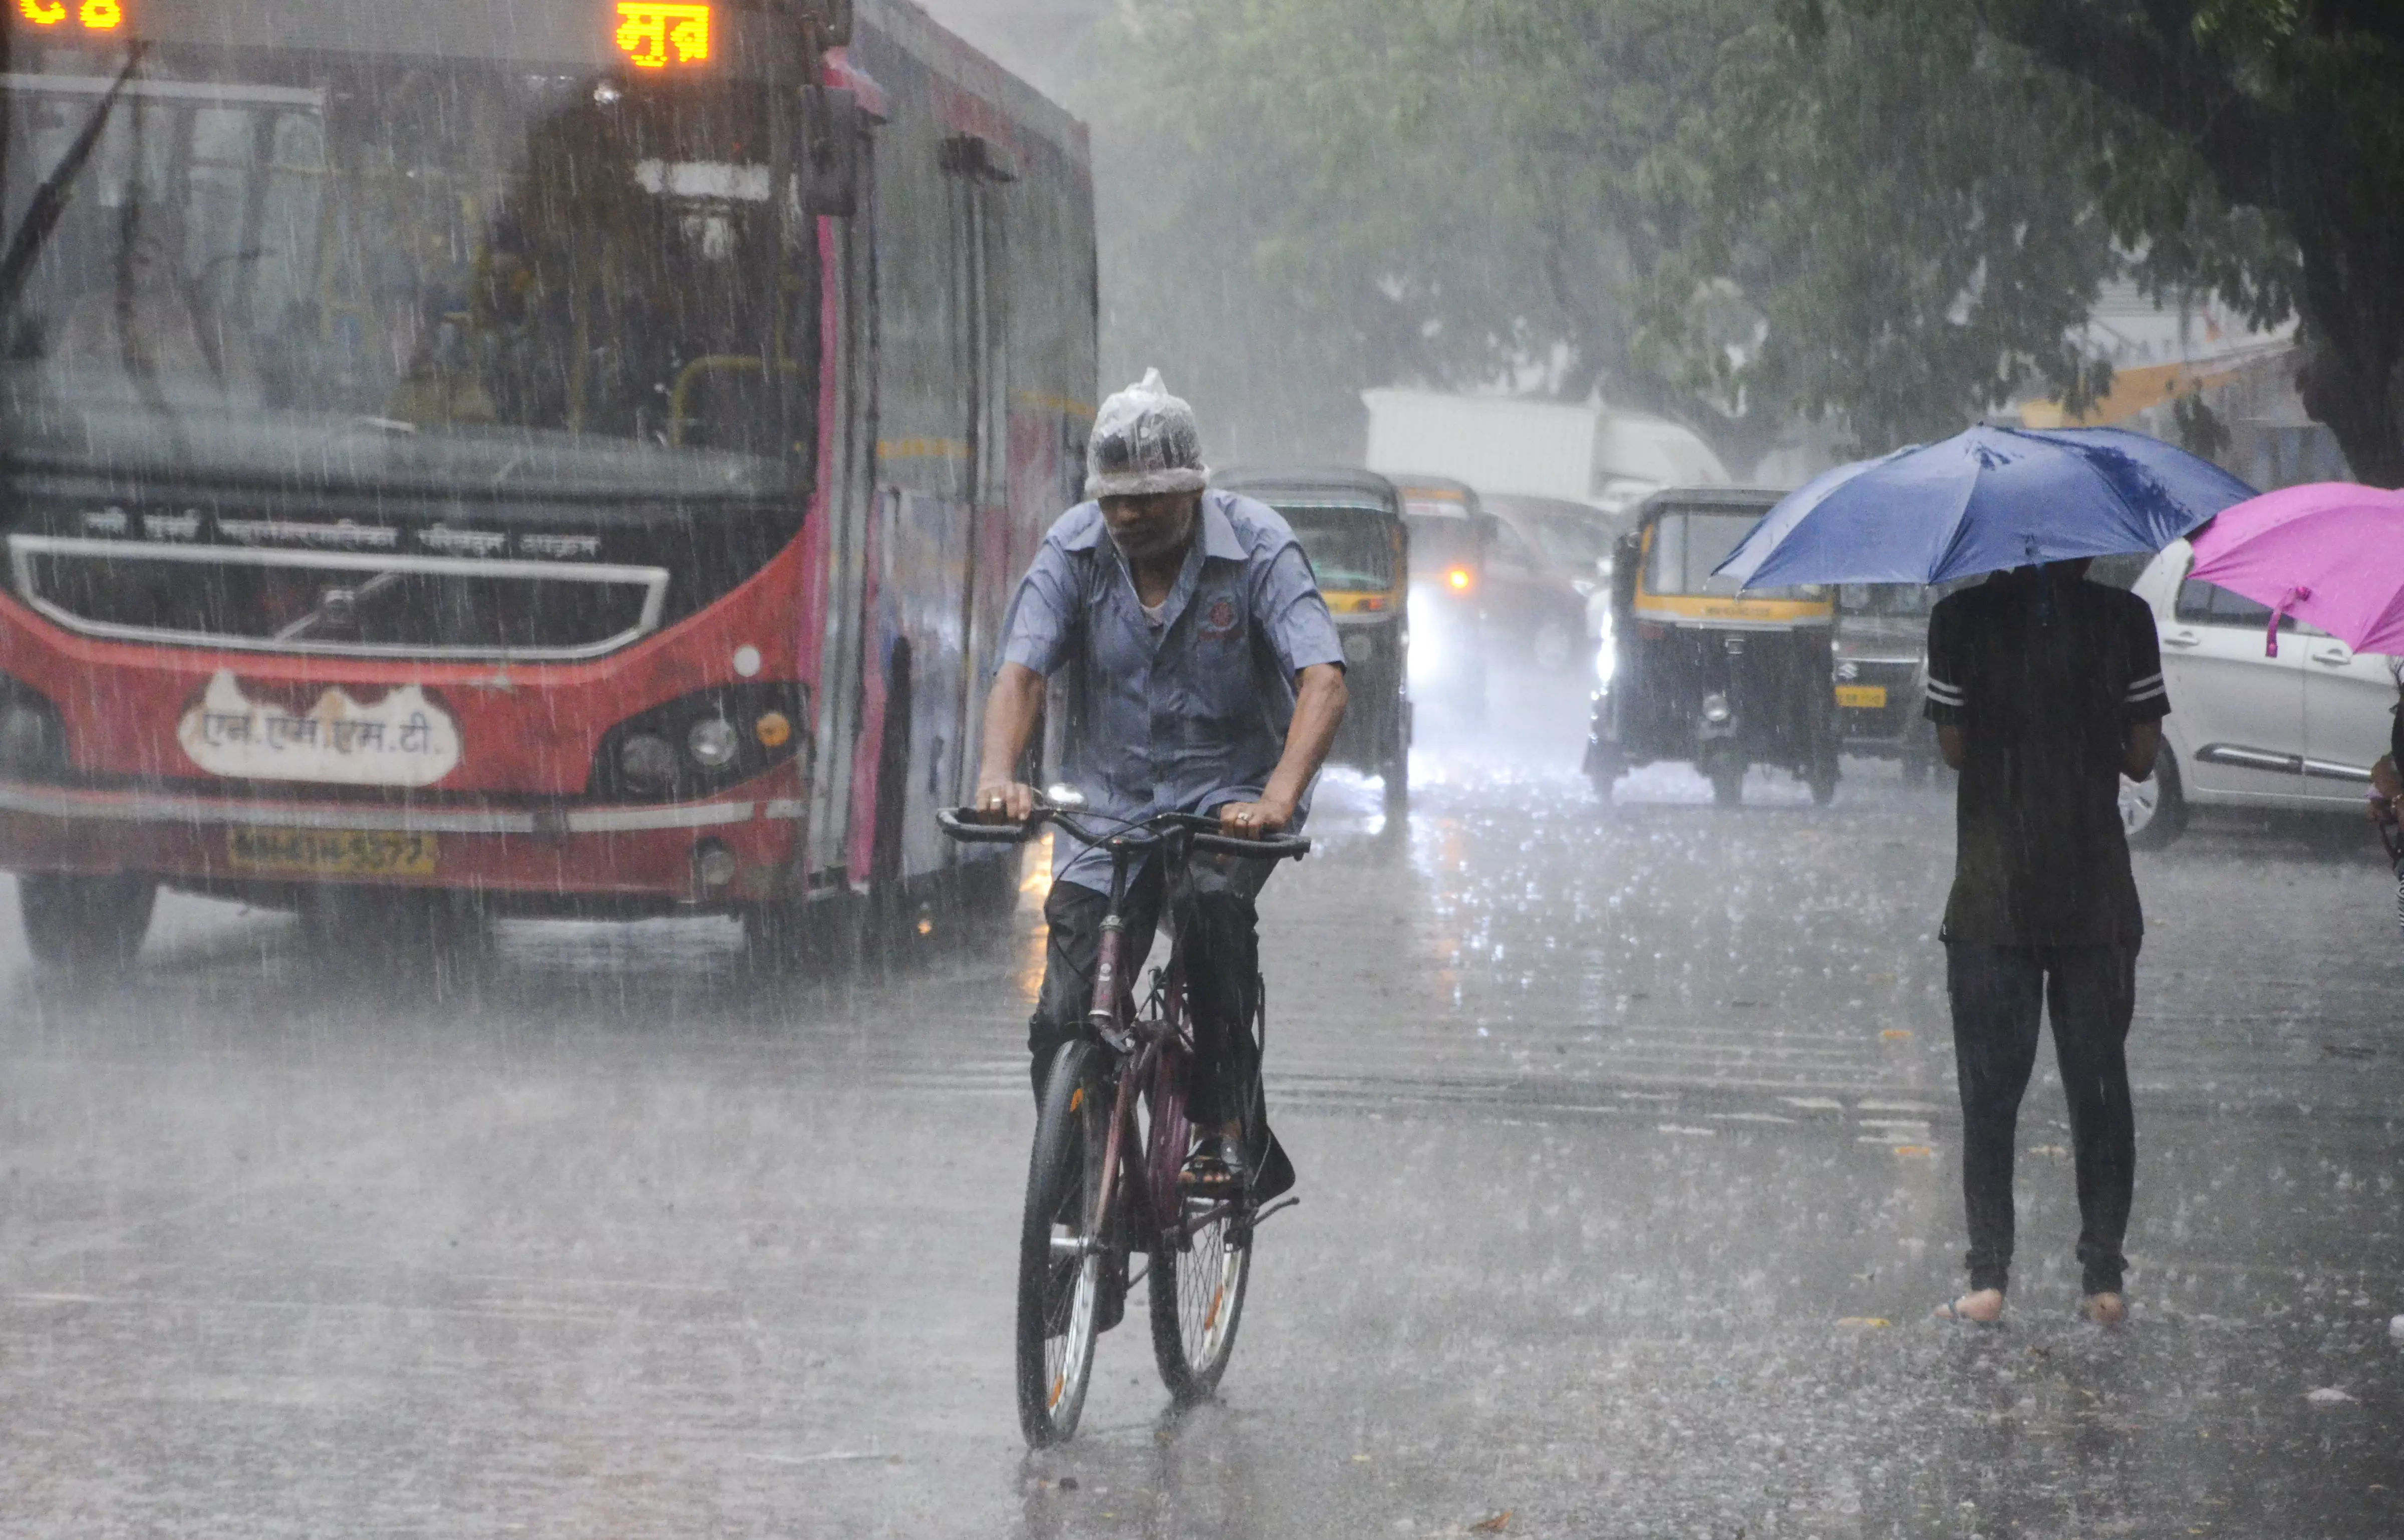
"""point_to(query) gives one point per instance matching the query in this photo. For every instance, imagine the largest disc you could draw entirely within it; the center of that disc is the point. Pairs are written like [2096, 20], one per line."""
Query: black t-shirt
[2044, 675]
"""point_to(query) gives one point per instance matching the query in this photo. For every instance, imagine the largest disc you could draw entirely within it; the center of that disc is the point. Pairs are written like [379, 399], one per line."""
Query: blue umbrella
[1980, 501]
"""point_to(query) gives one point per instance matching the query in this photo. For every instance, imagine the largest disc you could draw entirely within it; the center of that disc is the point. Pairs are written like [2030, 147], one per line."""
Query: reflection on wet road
[1627, 1136]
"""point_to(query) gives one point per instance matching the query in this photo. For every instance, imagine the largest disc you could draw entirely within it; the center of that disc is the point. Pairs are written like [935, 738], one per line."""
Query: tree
[1287, 218]
[1890, 220]
[1736, 212]
[2293, 108]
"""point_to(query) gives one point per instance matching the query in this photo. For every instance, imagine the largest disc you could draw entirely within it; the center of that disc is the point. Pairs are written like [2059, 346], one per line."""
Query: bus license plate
[1861, 697]
[331, 852]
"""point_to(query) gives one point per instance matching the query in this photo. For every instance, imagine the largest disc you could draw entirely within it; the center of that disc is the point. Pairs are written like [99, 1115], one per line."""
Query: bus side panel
[984, 379]
[1050, 268]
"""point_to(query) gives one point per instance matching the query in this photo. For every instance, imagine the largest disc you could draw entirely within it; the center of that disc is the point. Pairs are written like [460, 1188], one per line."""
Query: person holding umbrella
[2045, 688]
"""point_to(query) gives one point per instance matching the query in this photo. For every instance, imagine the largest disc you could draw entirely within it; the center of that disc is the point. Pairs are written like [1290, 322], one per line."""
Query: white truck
[1582, 453]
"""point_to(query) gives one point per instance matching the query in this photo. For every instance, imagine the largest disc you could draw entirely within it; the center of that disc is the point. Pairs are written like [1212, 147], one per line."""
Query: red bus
[562, 457]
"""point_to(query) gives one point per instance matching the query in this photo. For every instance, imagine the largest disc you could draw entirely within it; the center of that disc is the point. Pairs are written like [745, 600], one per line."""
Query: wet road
[1629, 1156]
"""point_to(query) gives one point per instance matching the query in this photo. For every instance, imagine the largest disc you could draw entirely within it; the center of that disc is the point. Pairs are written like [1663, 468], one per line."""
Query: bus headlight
[647, 761]
[699, 743]
[712, 742]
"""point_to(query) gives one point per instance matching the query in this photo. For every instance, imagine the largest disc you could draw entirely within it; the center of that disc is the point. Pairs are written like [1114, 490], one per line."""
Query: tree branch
[2164, 75]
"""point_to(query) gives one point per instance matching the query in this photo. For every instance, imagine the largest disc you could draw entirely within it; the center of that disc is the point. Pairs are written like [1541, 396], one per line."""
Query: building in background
[2197, 376]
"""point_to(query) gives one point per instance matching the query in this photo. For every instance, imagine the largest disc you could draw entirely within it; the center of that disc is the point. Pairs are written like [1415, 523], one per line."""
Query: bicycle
[1112, 1142]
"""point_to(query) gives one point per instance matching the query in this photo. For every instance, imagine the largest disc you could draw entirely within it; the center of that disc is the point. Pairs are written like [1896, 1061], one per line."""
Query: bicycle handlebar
[1267, 848]
[964, 825]
[969, 832]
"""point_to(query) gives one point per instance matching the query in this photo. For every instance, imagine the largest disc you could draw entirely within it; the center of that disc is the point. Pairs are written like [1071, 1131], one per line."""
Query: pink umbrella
[2330, 553]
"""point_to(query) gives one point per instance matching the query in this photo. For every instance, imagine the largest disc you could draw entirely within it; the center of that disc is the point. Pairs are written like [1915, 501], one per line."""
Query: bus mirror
[830, 18]
[834, 133]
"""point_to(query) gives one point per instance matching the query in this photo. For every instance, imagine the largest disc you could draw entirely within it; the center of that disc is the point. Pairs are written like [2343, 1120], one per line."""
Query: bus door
[939, 534]
[979, 171]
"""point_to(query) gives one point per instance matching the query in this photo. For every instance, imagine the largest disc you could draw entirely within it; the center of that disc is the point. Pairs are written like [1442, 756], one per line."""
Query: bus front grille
[336, 603]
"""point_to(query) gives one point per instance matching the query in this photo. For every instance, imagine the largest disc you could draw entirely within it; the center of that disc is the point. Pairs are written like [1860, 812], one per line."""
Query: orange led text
[647, 32]
[92, 15]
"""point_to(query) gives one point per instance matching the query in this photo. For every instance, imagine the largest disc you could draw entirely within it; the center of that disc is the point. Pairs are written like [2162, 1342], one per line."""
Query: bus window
[524, 269]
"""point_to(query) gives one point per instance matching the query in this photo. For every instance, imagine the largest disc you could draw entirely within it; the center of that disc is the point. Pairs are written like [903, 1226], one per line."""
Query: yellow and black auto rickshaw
[1350, 527]
[1694, 671]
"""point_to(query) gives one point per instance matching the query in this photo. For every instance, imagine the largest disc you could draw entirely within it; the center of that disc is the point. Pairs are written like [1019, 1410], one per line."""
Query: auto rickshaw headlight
[1358, 649]
[1458, 580]
[1715, 710]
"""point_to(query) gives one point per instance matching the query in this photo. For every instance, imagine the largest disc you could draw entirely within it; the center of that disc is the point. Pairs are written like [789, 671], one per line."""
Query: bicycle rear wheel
[1059, 1261]
[1200, 1264]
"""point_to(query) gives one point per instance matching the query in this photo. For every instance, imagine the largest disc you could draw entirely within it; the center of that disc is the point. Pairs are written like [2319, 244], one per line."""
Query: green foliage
[1737, 212]
[1742, 213]
[1293, 209]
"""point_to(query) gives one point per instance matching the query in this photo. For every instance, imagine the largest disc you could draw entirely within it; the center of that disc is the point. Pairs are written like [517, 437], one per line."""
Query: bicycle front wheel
[1200, 1261]
[1059, 1257]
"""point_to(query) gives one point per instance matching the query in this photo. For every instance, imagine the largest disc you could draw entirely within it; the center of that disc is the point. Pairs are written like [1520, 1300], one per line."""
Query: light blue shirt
[1192, 713]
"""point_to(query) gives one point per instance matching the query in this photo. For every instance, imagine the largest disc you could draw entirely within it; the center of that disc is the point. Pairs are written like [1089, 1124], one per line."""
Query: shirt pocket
[1222, 679]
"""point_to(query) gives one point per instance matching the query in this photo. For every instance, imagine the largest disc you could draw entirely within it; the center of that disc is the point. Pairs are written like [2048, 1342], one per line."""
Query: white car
[2300, 731]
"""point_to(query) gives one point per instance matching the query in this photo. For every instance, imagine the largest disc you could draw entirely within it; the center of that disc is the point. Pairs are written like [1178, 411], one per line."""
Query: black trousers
[2090, 992]
[1210, 904]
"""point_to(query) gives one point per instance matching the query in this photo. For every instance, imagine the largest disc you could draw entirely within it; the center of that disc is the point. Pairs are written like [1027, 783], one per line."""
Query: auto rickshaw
[1350, 527]
[1695, 670]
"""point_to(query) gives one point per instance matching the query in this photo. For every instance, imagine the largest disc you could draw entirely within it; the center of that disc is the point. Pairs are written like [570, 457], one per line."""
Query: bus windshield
[1686, 547]
[1350, 549]
[392, 271]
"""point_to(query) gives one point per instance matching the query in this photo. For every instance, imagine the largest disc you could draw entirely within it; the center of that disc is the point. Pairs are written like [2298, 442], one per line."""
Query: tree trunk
[2353, 377]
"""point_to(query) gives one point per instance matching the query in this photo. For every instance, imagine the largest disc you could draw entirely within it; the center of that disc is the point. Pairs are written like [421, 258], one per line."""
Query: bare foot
[2105, 1310]
[1983, 1306]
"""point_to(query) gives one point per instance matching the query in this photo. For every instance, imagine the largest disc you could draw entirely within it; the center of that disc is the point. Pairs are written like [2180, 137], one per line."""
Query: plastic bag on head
[1145, 440]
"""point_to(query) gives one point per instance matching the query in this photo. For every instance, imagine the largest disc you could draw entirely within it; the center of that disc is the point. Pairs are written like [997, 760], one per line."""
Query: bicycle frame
[1143, 1047]
[1144, 1050]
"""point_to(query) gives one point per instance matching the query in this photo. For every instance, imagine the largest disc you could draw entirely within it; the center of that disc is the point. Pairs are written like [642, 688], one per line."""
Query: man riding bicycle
[1204, 676]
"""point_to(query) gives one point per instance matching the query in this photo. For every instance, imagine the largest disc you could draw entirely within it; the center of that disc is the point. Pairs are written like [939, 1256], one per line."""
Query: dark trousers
[2090, 992]
[1210, 904]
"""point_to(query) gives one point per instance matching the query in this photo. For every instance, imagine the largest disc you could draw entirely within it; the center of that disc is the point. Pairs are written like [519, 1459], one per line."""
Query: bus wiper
[49, 200]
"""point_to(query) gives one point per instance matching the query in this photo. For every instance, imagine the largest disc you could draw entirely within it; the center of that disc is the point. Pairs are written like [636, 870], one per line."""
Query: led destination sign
[651, 36]
[85, 15]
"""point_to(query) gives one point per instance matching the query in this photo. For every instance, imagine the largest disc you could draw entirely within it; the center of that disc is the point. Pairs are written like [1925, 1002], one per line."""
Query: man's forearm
[1010, 713]
[1318, 711]
[2144, 742]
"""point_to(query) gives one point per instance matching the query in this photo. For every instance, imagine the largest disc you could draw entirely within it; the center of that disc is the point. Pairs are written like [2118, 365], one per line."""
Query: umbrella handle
[2279, 612]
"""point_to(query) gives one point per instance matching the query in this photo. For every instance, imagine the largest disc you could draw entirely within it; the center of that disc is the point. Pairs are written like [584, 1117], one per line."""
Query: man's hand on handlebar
[1254, 819]
[1004, 802]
